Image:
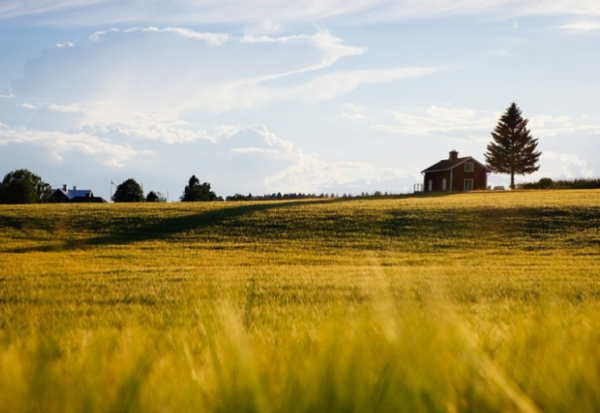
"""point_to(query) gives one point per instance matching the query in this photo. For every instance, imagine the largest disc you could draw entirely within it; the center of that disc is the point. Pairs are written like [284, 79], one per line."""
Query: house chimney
[74, 187]
[66, 188]
[453, 155]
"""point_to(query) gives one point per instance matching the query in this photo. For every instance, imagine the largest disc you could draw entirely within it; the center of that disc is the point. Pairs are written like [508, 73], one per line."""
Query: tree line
[24, 187]
[195, 191]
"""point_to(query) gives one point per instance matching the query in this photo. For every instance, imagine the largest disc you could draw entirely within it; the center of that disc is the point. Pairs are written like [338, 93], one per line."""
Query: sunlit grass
[475, 302]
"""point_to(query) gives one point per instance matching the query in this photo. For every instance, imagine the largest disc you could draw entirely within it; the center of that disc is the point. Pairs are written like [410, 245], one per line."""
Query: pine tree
[195, 191]
[513, 149]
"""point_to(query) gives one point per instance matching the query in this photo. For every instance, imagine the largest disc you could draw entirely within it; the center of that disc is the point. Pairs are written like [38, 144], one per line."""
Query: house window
[468, 184]
[443, 184]
[430, 185]
[469, 167]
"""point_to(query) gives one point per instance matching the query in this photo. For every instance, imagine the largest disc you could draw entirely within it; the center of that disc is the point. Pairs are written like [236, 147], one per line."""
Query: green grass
[467, 302]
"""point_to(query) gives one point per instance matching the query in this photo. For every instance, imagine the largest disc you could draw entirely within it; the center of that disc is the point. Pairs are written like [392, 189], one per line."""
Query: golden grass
[470, 302]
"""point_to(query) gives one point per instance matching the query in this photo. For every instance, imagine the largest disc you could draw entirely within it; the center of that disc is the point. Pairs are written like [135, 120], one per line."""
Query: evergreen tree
[513, 149]
[195, 191]
[129, 191]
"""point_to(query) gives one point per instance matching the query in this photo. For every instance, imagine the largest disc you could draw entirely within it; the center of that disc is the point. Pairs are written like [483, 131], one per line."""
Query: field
[479, 302]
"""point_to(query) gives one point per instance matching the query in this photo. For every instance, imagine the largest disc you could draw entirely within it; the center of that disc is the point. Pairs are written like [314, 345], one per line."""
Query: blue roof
[76, 193]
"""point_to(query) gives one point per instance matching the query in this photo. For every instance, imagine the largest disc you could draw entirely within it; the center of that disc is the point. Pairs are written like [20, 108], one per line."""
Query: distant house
[64, 195]
[455, 174]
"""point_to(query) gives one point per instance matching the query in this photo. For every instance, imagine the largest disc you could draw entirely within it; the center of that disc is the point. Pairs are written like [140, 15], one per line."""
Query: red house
[455, 174]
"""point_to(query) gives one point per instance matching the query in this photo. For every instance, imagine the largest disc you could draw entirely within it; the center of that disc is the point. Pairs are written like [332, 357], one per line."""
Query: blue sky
[262, 96]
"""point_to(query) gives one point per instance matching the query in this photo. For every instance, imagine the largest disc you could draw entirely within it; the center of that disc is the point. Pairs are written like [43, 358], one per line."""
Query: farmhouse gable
[455, 174]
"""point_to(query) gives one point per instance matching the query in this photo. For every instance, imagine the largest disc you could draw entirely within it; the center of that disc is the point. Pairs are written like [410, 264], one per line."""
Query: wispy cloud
[549, 126]
[72, 108]
[333, 85]
[28, 106]
[64, 45]
[581, 27]
[96, 36]
[150, 127]
[221, 73]
[214, 39]
[437, 120]
[258, 11]
[449, 122]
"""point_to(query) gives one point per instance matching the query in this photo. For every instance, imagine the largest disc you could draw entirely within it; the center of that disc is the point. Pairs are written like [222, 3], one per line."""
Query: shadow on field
[165, 228]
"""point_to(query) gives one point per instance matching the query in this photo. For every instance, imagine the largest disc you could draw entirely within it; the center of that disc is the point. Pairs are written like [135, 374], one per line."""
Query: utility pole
[111, 185]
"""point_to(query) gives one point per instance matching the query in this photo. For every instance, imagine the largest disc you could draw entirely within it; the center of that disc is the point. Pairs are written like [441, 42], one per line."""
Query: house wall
[479, 177]
[59, 197]
[456, 177]
[437, 178]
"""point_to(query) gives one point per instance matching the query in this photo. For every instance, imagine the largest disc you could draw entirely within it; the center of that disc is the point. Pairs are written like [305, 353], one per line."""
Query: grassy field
[479, 302]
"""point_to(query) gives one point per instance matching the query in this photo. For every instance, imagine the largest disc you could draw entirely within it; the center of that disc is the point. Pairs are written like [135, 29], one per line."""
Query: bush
[548, 183]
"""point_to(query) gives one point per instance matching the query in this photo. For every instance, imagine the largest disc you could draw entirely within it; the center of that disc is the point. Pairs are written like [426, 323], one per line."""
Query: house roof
[448, 164]
[75, 193]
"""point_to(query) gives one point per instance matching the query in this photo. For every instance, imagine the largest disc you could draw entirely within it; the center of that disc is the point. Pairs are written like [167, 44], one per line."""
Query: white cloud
[308, 173]
[150, 127]
[9, 96]
[28, 106]
[255, 93]
[331, 49]
[468, 123]
[338, 84]
[213, 39]
[549, 126]
[437, 120]
[96, 36]
[353, 107]
[72, 108]
[68, 108]
[169, 76]
[580, 27]
[265, 27]
[64, 45]
[567, 165]
[352, 116]
[106, 153]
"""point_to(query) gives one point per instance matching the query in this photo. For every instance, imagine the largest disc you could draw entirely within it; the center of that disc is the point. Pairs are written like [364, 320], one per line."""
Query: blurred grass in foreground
[474, 302]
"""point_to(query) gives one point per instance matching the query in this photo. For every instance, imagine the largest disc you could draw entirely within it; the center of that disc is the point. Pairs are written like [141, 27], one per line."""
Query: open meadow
[477, 302]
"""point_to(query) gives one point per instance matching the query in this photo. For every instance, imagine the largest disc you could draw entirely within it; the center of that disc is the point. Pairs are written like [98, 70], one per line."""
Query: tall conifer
[513, 149]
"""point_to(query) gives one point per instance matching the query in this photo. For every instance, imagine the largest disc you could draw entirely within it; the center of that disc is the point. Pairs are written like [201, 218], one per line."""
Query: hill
[465, 302]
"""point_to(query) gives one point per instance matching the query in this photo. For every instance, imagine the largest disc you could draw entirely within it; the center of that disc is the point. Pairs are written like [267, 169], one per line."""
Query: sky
[312, 96]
